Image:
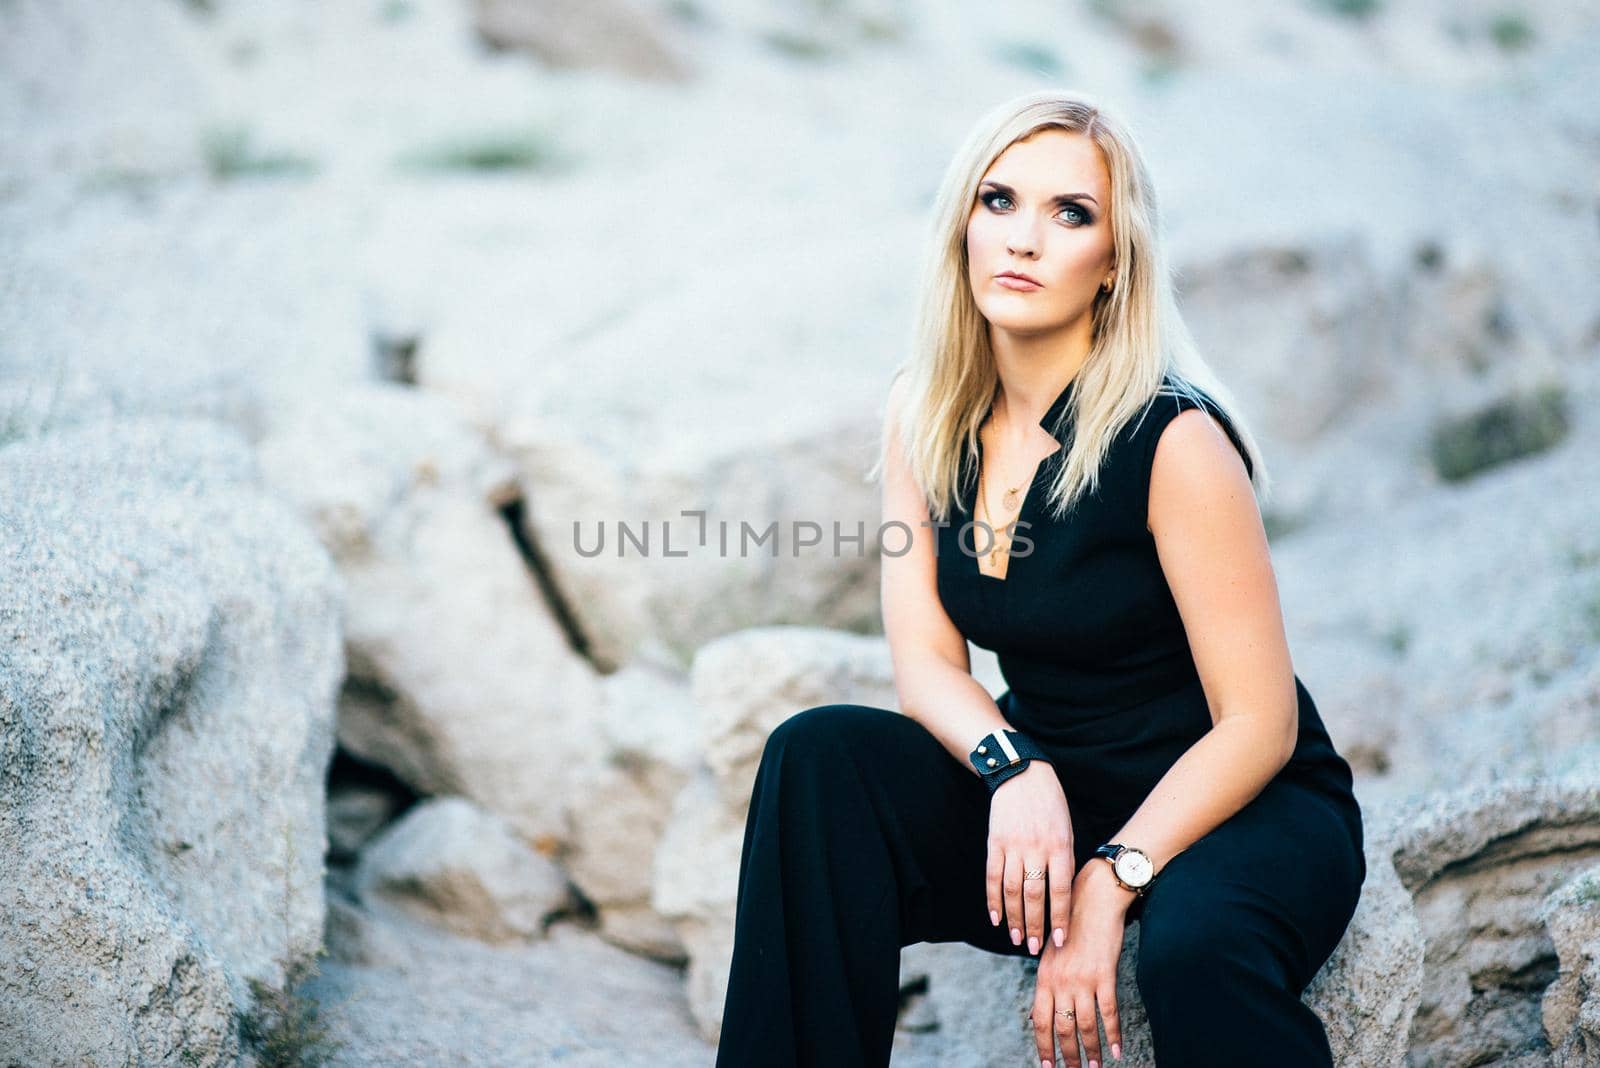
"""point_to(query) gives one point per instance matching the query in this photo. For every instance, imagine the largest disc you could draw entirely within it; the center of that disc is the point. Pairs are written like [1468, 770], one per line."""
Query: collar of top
[1057, 406]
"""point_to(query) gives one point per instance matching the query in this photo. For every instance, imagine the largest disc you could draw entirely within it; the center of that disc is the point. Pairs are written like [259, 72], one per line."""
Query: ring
[1065, 1012]
[1031, 874]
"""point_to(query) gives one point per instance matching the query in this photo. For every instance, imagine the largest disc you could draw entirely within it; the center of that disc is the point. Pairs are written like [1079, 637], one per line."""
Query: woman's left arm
[1213, 550]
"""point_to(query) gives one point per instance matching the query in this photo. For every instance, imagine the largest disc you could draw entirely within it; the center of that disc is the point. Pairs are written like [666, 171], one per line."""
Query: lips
[1013, 280]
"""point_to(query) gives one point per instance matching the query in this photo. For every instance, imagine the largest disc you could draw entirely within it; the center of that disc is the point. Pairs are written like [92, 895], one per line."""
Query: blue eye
[1080, 217]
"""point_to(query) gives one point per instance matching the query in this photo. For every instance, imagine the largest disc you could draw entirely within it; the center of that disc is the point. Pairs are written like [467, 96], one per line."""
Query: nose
[1020, 242]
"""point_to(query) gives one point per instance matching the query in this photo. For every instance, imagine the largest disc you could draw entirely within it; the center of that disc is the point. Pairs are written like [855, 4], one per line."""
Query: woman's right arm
[932, 673]
[1029, 823]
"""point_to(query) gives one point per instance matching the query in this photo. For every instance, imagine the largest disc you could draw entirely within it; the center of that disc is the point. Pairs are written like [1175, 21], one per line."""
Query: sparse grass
[1031, 57]
[1511, 31]
[1397, 638]
[1591, 616]
[391, 12]
[883, 30]
[1580, 558]
[797, 45]
[489, 151]
[283, 1028]
[1504, 431]
[686, 11]
[1280, 524]
[19, 421]
[1156, 73]
[229, 153]
[1588, 891]
[1353, 9]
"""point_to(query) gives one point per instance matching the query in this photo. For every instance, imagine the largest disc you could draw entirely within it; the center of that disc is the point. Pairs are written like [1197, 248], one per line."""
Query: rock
[356, 812]
[423, 996]
[696, 885]
[1463, 636]
[647, 729]
[1486, 867]
[745, 684]
[456, 865]
[614, 34]
[168, 667]
[1570, 1009]
[462, 678]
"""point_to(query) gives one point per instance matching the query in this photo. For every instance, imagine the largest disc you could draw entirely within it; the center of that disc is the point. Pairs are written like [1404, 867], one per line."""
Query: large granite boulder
[168, 673]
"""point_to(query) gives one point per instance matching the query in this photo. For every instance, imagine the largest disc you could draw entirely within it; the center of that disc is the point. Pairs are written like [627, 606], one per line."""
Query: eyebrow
[1060, 198]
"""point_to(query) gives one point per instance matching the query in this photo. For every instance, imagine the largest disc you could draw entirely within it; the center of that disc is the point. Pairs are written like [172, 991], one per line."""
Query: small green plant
[1397, 637]
[797, 45]
[283, 1027]
[1031, 57]
[1588, 891]
[1354, 9]
[1280, 524]
[1511, 31]
[395, 11]
[499, 150]
[1504, 431]
[229, 153]
[1591, 616]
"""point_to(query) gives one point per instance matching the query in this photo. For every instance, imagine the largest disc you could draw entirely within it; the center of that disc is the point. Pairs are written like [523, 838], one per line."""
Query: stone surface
[1570, 1009]
[461, 679]
[1486, 866]
[168, 668]
[454, 864]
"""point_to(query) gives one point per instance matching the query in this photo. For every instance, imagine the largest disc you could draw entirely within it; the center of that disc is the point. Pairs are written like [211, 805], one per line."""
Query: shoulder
[1202, 456]
[1166, 418]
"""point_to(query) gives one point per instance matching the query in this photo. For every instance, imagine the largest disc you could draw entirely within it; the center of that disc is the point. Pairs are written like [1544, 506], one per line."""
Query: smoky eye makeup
[1084, 218]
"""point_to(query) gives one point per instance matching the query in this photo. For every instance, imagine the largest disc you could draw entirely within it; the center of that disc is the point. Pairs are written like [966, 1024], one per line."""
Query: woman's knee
[1182, 950]
[824, 730]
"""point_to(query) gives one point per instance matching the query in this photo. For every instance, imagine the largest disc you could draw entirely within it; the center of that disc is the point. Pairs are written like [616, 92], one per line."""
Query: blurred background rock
[331, 334]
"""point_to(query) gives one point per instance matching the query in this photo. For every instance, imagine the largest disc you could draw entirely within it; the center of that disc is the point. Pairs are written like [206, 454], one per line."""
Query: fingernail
[1116, 1050]
[1016, 937]
[1047, 1064]
[1094, 1064]
[994, 918]
[1033, 943]
[1061, 938]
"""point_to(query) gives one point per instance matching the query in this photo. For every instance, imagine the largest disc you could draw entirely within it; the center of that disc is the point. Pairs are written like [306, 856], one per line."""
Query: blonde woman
[1075, 490]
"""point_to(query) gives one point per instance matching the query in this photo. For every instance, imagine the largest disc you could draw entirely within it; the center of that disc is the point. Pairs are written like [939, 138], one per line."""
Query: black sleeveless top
[1088, 637]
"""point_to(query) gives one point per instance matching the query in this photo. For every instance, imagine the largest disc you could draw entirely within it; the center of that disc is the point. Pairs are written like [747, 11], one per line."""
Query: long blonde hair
[1139, 337]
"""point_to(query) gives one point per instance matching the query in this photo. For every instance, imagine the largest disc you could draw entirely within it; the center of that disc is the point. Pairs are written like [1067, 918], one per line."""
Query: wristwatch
[1004, 753]
[1130, 866]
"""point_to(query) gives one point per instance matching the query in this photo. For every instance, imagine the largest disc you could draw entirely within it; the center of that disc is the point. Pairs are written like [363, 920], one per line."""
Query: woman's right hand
[1030, 829]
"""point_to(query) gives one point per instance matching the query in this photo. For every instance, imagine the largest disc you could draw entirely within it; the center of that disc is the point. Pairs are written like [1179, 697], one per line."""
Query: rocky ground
[321, 326]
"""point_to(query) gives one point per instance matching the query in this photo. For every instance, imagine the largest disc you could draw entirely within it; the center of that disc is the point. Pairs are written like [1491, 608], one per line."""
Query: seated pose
[1066, 483]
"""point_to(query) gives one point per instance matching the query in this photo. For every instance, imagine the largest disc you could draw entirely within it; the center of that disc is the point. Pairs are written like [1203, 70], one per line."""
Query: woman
[1076, 494]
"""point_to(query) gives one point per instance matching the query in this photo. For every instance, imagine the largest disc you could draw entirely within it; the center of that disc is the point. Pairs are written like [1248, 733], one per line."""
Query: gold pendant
[1011, 498]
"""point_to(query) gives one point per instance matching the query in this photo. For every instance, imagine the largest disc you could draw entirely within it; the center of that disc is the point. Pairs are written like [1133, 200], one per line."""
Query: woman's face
[1040, 211]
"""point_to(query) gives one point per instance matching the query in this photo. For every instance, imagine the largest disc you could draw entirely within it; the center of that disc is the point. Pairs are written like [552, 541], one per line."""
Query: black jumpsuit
[866, 835]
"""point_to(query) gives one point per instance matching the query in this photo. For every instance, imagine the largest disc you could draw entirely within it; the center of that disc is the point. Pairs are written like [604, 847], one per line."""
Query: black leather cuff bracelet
[1003, 754]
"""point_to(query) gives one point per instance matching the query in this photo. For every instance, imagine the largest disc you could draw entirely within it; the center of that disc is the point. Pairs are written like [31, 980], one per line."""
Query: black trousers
[865, 835]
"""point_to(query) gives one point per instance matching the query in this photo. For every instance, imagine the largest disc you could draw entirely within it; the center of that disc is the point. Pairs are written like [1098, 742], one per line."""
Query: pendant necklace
[1010, 498]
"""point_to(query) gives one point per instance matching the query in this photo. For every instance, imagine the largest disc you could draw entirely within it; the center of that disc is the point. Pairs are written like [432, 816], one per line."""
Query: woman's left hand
[1083, 973]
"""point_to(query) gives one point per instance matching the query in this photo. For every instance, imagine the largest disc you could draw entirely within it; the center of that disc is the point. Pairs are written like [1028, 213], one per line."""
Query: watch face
[1133, 867]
